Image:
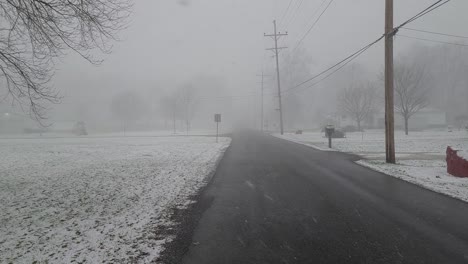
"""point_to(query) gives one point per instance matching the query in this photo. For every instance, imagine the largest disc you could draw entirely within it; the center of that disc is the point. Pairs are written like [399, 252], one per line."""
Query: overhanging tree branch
[35, 32]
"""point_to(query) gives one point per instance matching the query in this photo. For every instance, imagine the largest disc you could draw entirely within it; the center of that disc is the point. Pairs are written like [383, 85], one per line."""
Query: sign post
[217, 118]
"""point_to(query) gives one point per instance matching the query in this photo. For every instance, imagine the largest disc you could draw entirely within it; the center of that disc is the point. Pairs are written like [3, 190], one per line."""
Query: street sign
[218, 118]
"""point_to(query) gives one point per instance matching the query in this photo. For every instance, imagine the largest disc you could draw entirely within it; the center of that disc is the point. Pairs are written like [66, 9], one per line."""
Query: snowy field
[154, 133]
[96, 200]
[371, 144]
[420, 156]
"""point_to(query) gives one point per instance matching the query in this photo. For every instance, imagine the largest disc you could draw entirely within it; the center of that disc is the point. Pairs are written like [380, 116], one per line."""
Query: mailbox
[329, 130]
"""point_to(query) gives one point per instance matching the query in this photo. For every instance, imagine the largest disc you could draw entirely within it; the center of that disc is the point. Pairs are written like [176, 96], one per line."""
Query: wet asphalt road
[273, 201]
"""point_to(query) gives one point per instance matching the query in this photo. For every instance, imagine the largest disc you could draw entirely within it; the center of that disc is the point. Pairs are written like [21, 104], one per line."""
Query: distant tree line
[172, 107]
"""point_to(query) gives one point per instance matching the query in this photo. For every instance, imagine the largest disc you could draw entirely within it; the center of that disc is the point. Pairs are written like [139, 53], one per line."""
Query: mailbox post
[217, 118]
[329, 130]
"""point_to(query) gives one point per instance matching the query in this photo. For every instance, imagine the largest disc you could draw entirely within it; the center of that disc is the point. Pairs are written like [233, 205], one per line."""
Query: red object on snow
[456, 165]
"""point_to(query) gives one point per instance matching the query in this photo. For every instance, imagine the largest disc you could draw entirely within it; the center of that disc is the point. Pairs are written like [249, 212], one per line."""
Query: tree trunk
[406, 125]
[358, 125]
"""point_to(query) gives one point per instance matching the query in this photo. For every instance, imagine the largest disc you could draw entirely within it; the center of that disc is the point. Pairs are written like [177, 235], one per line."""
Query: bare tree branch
[35, 32]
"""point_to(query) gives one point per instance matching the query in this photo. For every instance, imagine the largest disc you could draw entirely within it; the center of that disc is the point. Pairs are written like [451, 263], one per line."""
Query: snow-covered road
[97, 200]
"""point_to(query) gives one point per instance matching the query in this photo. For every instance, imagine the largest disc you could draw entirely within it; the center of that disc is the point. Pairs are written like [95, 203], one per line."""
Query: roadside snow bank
[431, 175]
[96, 200]
[463, 154]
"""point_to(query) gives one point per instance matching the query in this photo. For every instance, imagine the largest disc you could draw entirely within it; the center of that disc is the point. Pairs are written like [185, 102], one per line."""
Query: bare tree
[34, 33]
[186, 97]
[411, 93]
[358, 101]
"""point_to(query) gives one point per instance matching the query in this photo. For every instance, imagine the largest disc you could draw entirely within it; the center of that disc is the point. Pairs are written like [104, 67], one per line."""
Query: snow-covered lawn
[421, 155]
[150, 133]
[371, 144]
[96, 200]
[463, 154]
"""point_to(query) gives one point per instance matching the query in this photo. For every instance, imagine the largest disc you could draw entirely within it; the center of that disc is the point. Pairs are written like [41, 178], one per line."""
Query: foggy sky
[169, 42]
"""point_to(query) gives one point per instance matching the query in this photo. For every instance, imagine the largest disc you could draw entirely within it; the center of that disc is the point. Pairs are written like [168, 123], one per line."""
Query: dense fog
[233, 131]
[177, 63]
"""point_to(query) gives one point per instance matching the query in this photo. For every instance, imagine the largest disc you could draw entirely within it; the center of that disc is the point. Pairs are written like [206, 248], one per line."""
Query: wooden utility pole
[389, 82]
[276, 36]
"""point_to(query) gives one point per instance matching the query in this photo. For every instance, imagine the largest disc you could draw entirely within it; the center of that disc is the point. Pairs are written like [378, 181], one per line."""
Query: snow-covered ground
[463, 154]
[98, 200]
[154, 133]
[371, 144]
[420, 155]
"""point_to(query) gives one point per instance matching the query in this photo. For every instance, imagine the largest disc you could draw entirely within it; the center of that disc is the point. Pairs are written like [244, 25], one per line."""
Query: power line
[435, 41]
[286, 11]
[313, 25]
[435, 33]
[294, 14]
[336, 67]
[315, 12]
[319, 7]
[426, 11]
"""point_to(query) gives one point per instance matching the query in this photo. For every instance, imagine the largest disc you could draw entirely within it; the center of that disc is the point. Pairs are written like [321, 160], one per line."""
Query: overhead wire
[312, 26]
[434, 33]
[294, 14]
[426, 11]
[319, 7]
[342, 63]
[285, 12]
[432, 40]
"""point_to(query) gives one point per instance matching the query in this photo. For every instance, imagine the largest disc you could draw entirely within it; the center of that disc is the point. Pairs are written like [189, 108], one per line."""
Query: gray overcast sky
[169, 42]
